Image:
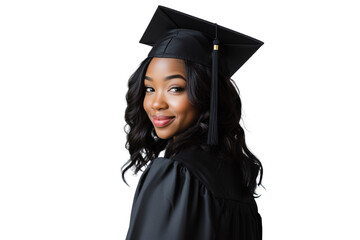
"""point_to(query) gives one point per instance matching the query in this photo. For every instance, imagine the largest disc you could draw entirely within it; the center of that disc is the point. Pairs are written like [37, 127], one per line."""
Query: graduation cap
[174, 34]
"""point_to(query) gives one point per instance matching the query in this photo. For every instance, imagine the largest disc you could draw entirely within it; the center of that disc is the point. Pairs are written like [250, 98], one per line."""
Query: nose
[159, 101]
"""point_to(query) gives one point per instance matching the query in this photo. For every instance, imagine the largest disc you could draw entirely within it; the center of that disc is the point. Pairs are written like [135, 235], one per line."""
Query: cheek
[146, 104]
[182, 106]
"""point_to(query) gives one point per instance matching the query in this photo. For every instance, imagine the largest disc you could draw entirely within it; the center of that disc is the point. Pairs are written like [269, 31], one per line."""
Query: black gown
[193, 195]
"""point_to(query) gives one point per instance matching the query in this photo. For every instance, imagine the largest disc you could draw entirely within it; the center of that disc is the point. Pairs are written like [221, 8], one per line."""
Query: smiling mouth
[162, 121]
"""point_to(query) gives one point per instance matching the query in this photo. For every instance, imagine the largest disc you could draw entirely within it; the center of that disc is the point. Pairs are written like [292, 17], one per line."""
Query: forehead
[164, 66]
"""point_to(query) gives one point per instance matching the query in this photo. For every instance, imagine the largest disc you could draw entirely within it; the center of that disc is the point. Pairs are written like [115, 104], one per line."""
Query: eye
[176, 89]
[149, 89]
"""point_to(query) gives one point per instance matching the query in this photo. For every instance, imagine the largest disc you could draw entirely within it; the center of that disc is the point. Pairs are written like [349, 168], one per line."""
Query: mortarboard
[174, 34]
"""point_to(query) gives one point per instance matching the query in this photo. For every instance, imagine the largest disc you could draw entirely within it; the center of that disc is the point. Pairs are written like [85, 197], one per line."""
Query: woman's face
[166, 101]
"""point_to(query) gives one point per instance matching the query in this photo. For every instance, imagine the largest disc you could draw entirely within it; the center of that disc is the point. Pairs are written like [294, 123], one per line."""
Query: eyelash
[178, 89]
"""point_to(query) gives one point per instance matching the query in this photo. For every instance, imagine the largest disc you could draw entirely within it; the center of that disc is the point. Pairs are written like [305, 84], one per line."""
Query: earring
[153, 135]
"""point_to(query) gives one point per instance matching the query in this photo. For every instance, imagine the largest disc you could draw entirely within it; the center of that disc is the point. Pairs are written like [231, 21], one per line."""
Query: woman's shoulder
[219, 174]
[174, 193]
[199, 160]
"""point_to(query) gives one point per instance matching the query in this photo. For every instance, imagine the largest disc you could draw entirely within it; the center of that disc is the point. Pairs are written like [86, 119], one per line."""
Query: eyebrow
[168, 77]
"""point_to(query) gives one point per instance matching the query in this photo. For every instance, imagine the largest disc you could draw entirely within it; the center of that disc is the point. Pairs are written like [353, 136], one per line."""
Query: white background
[64, 67]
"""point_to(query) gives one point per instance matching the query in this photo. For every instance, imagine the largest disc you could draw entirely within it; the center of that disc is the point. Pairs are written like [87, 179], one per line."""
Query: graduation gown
[193, 195]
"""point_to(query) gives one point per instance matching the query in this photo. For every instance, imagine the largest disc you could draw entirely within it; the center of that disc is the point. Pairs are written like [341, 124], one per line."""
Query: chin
[163, 134]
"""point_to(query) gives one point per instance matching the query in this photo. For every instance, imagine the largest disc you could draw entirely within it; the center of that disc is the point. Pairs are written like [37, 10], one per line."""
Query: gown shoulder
[184, 197]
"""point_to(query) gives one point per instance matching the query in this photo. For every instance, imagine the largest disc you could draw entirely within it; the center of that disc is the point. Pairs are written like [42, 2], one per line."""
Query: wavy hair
[143, 147]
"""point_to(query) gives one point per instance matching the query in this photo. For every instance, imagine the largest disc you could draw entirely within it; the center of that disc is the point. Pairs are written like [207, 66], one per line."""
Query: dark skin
[166, 102]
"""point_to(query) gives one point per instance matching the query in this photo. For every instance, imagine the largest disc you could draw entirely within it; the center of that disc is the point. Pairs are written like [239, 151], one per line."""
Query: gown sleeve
[170, 203]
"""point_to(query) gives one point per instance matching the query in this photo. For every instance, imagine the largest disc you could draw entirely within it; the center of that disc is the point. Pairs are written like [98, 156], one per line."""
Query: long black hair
[143, 147]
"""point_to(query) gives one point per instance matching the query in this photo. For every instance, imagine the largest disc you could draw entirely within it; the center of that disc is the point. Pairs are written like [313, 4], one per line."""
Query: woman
[181, 100]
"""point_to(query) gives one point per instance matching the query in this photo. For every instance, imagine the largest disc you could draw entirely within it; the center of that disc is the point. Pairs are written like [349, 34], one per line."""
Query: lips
[162, 121]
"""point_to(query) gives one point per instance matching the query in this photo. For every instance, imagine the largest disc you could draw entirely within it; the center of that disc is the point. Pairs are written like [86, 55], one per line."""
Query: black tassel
[213, 125]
